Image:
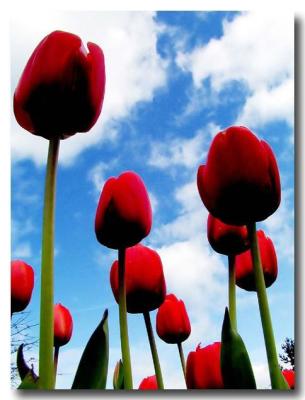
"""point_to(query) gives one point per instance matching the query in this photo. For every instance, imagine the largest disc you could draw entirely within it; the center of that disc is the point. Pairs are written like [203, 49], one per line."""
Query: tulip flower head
[61, 89]
[144, 278]
[149, 383]
[63, 325]
[123, 216]
[203, 369]
[244, 265]
[240, 182]
[173, 324]
[22, 284]
[289, 376]
[227, 239]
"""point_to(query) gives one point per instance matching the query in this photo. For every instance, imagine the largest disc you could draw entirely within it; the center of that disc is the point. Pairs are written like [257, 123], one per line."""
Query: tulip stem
[46, 339]
[123, 322]
[153, 349]
[56, 353]
[182, 359]
[276, 377]
[232, 291]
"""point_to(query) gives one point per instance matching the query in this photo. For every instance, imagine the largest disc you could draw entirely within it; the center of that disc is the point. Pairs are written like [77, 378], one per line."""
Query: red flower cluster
[173, 324]
[227, 239]
[63, 325]
[145, 283]
[240, 182]
[61, 90]
[123, 216]
[244, 265]
[203, 368]
[22, 284]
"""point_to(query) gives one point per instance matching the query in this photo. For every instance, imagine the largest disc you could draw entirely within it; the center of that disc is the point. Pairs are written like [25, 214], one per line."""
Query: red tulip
[63, 325]
[289, 376]
[244, 266]
[240, 182]
[144, 278]
[61, 90]
[22, 284]
[203, 368]
[123, 216]
[173, 324]
[149, 383]
[227, 239]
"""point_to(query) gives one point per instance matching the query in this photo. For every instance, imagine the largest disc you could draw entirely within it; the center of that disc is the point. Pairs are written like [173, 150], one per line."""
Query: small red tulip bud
[227, 239]
[289, 376]
[144, 278]
[63, 325]
[173, 324]
[61, 89]
[149, 383]
[203, 369]
[240, 182]
[244, 266]
[22, 284]
[123, 216]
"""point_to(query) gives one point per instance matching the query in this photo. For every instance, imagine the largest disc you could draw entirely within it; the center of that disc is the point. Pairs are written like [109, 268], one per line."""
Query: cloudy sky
[173, 81]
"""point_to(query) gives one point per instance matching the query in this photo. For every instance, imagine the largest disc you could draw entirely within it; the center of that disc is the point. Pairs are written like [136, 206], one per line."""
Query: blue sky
[173, 81]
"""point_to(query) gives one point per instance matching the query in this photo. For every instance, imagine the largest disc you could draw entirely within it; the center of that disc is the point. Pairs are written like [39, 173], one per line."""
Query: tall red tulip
[149, 383]
[289, 376]
[61, 89]
[145, 283]
[240, 183]
[173, 324]
[203, 368]
[22, 284]
[244, 265]
[63, 325]
[227, 239]
[123, 216]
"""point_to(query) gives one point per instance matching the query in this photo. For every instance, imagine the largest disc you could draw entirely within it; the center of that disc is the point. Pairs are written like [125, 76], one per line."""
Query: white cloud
[97, 175]
[261, 374]
[280, 227]
[187, 152]
[257, 50]
[134, 70]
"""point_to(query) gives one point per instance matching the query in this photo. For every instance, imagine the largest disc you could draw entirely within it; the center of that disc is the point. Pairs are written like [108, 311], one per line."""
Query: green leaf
[30, 381]
[22, 366]
[236, 367]
[93, 366]
[118, 376]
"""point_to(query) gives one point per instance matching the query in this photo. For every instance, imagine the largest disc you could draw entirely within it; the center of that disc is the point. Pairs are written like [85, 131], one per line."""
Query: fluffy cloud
[257, 50]
[187, 153]
[134, 70]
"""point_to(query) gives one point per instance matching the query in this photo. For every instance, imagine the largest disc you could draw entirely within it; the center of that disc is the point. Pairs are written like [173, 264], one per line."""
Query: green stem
[153, 349]
[56, 353]
[46, 369]
[276, 377]
[182, 359]
[123, 322]
[232, 291]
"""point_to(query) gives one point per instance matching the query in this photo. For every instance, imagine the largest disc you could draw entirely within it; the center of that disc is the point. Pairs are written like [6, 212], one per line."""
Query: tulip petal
[93, 366]
[236, 367]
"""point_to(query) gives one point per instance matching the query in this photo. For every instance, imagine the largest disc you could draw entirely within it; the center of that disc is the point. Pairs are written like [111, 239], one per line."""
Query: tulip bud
[22, 283]
[144, 279]
[240, 182]
[244, 266]
[173, 324]
[227, 239]
[149, 383]
[63, 325]
[289, 376]
[123, 216]
[61, 89]
[203, 369]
